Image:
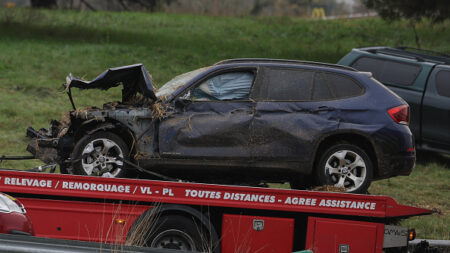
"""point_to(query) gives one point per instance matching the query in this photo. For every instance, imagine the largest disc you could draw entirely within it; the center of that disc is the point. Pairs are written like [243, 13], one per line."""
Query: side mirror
[182, 102]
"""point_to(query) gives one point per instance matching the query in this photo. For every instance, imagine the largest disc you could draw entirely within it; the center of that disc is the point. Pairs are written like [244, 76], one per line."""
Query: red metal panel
[86, 221]
[240, 234]
[327, 235]
[204, 194]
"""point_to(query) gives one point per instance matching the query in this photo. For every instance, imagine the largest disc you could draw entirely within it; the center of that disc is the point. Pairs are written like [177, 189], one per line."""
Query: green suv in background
[422, 79]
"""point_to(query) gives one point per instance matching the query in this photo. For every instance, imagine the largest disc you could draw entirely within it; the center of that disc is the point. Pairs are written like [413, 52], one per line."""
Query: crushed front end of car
[55, 144]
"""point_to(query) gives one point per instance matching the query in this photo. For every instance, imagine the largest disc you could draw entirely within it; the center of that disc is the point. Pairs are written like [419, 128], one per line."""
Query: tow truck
[207, 217]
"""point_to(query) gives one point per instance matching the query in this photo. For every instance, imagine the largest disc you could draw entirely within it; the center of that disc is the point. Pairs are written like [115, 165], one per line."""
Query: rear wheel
[100, 154]
[345, 166]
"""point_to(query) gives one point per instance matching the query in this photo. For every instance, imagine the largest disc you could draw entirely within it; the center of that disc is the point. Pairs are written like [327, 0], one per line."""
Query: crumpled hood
[134, 78]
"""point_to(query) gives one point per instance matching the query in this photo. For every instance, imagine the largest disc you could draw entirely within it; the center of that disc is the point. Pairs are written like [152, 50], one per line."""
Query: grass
[428, 186]
[38, 48]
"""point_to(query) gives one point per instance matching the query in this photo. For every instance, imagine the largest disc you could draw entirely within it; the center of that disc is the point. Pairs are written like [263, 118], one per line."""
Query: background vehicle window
[228, 86]
[443, 83]
[387, 71]
[285, 85]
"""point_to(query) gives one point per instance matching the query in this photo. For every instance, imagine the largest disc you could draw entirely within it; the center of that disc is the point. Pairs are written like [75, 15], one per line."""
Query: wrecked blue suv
[240, 121]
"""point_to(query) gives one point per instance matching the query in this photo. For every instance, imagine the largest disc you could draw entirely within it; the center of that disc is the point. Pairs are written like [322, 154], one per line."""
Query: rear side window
[329, 86]
[443, 83]
[388, 71]
[284, 85]
[304, 85]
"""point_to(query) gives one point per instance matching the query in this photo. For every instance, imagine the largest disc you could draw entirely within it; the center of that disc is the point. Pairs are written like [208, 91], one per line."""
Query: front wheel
[100, 154]
[345, 166]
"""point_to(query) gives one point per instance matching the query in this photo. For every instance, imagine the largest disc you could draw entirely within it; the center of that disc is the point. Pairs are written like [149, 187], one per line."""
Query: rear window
[388, 71]
[304, 85]
[443, 83]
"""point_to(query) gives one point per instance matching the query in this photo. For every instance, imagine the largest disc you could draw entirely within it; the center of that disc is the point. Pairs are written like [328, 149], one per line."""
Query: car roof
[420, 55]
[283, 62]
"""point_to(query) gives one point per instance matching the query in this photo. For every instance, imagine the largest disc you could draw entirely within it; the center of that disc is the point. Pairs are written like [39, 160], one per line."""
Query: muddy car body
[239, 121]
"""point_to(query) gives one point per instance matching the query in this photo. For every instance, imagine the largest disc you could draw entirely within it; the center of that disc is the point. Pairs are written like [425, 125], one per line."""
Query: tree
[43, 3]
[150, 5]
[413, 10]
[416, 10]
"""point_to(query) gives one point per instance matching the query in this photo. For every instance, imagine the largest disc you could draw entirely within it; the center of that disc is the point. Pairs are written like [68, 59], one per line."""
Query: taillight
[400, 114]
[411, 234]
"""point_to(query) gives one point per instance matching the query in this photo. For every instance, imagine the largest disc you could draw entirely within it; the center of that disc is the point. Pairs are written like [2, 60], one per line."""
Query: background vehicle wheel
[97, 155]
[178, 232]
[345, 165]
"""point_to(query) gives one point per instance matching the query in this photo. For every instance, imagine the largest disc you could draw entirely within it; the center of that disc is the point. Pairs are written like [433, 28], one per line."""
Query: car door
[436, 109]
[212, 120]
[287, 123]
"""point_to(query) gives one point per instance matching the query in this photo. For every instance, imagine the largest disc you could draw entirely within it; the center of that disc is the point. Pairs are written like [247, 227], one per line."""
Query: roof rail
[266, 60]
[430, 52]
[413, 53]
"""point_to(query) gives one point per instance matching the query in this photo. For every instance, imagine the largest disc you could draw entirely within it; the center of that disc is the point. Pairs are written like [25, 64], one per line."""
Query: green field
[39, 48]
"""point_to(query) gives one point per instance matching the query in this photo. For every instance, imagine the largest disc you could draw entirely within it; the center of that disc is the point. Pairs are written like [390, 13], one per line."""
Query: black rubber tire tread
[301, 182]
[322, 179]
[63, 169]
[78, 149]
[183, 223]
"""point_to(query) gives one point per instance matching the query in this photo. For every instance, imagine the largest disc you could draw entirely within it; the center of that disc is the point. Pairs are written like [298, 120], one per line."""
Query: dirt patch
[329, 188]
[141, 155]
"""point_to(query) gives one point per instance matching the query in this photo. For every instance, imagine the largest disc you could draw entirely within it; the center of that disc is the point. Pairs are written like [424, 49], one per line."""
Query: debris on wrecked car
[329, 188]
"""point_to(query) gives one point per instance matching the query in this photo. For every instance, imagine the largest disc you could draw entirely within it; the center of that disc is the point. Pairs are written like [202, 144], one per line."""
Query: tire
[179, 232]
[345, 165]
[63, 169]
[301, 182]
[96, 155]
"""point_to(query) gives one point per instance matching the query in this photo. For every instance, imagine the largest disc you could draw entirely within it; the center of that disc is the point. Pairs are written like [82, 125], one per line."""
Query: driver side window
[227, 86]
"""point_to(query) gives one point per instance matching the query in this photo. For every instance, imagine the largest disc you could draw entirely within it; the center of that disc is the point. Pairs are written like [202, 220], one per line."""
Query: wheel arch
[362, 140]
[109, 125]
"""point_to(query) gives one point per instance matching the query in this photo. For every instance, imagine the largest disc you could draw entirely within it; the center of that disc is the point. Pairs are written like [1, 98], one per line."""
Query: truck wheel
[178, 232]
[347, 166]
[96, 155]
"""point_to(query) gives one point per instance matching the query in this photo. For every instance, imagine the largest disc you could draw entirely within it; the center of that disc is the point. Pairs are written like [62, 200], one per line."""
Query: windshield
[167, 89]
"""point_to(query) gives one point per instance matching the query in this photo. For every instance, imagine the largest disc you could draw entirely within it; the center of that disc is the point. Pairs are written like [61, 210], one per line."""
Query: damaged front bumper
[46, 144]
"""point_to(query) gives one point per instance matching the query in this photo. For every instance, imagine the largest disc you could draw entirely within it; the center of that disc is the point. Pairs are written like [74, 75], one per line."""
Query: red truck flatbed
[107, 209]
